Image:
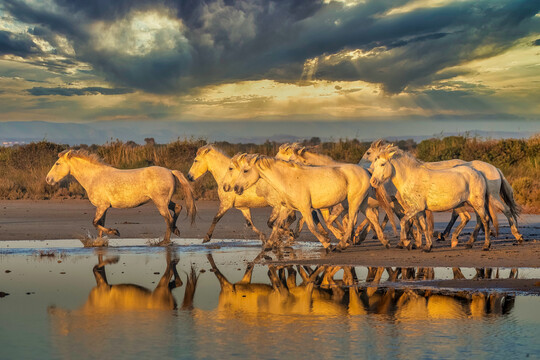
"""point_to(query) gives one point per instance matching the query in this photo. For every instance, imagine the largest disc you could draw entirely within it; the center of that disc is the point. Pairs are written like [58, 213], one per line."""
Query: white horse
[210, 159]
[297, 153]
[304, 188]
[264, 189]
[424, 189]
[501, 194]
[108, 187]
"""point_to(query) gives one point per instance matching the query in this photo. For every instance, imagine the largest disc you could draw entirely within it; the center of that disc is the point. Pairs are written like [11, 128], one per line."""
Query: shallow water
[55, 310]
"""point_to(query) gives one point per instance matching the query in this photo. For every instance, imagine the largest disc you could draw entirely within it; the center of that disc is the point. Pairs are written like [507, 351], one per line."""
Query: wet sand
[71, 219]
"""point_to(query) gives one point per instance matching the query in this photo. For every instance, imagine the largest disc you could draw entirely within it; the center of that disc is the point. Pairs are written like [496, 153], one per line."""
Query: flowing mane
[393, 152]
[85, 155]
[207, 148]
[267, 162]
[241, 159]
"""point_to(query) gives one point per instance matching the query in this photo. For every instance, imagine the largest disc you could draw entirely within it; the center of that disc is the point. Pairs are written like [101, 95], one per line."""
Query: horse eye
[245, 171]
[369, 152]
[231, 169]
[195, 160]
[383, 164]
[57, 164]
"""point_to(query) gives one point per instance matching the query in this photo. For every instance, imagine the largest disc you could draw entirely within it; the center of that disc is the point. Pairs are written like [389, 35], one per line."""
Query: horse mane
[393, 152]
[267, 162]
[240, 159]
[206, 148]
[85, 155]
[302, 151]
[379, 143]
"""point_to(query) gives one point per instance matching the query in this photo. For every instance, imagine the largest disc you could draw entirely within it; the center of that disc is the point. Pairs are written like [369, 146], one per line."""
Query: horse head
[60, 169]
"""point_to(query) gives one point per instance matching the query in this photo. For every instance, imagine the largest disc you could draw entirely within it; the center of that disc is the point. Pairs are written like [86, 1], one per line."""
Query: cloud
[17, 44]
[42, 91]
[177, 46]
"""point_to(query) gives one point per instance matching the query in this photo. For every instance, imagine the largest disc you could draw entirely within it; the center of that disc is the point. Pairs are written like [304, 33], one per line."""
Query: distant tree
[150, 141]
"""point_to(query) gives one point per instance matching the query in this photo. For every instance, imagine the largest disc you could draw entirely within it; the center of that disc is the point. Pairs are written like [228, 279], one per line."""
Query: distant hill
[259, 131]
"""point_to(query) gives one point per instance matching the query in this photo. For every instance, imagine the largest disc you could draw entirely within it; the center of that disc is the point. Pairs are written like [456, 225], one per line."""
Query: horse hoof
[469, 246]
[387, 246]
[399, 246]
[414, 246]
[176, 231]
[441, 238]
[486, 248]
[427, 249]
[454, 244]
[206, 239]
[409, 247]
[517, 242]
[115, 232]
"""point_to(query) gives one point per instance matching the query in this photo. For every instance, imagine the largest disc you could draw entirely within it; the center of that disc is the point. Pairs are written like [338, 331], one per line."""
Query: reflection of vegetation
[23, 168]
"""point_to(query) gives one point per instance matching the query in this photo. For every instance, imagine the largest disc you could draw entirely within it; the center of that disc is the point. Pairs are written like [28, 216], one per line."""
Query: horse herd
[320, 189]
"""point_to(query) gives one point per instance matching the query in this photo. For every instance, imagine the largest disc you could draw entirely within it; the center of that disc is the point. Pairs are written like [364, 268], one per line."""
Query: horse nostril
[226, 187]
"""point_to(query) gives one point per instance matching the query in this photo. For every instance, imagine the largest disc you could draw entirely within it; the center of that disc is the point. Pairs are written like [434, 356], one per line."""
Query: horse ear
[68, 153]
[391, 154]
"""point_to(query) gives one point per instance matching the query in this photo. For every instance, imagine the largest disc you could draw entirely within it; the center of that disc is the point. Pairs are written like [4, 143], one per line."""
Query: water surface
[56, 310]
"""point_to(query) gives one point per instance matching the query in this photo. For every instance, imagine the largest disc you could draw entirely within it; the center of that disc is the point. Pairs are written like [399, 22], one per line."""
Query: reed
[23, 168]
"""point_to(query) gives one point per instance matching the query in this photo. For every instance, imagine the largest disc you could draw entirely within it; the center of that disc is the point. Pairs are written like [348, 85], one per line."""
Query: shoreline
[72, 219]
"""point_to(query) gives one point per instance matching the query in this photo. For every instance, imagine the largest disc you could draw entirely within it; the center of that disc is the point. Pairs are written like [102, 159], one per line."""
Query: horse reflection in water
[124, 302]
[320, 293]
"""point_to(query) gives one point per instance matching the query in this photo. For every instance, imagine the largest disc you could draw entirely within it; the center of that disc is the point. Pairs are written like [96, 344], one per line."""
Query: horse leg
[246, 279]
[465, 217]
[484, 217]
[278, 225]
[99, 222]
[328, 221]
[337, 210]
[404, 224]
[357, 200]
[446, 232]
[511, 221]
[249, 222]
[361, 232]
[221, 211]
[175, 208]
[308, 216]
[164, 211]
[428, 232]
[373, 218]
[417, 232]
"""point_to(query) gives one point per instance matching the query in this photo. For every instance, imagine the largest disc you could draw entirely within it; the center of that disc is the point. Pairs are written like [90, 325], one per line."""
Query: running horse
[109, 187]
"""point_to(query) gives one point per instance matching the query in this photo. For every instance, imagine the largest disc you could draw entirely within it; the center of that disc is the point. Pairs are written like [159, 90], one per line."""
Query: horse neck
[404, 170]
[218, 164]
[85, 171]
[316, 159]
[275, 174]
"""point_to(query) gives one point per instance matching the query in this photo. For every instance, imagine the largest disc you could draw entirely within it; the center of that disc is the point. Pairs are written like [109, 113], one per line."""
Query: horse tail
[189, 294]
[507, 195]
[382, 197]
[188, 192]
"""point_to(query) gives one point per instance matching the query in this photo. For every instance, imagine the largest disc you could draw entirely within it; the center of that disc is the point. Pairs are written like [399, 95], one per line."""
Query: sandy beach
[72, 219]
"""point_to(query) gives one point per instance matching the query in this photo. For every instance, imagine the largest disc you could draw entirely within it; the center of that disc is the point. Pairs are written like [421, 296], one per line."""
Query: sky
[260, 60]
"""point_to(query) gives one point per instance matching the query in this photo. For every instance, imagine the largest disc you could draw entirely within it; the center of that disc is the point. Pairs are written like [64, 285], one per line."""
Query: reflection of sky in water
[27, 330]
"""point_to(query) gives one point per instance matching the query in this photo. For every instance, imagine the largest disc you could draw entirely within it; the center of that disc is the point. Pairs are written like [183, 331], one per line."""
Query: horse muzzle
[238, 190]
[374, 182]
[190, 177]
[50, 180]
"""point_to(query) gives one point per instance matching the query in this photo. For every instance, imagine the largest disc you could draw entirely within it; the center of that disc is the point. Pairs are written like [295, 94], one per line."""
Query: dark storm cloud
[226, 41]
[16, 44]
[41, 91]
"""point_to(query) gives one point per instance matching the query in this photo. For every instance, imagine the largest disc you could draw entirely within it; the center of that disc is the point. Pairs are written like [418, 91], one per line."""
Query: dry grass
[23, 169]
